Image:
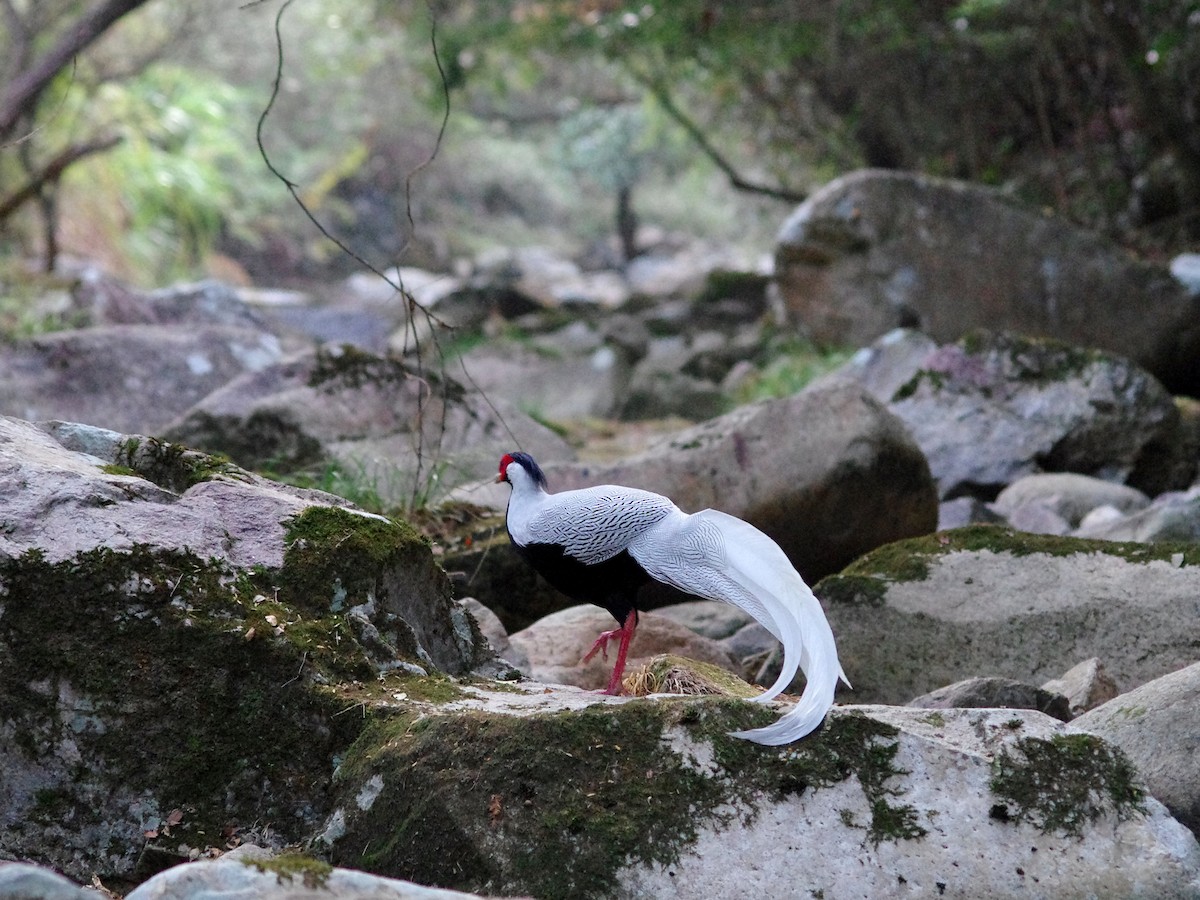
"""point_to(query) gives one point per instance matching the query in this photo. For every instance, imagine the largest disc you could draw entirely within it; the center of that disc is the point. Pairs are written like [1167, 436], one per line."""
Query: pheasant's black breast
[612, 584]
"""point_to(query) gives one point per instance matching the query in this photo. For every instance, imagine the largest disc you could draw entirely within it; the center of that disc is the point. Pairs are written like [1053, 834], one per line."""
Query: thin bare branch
[22, 92]
[52, 171]
[658, 89]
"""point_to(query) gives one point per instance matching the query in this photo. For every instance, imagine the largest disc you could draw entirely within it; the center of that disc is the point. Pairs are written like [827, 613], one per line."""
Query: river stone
[927, 612]
[1085, 686]
[562, 385]
[1069, 495]
[827, 472]
[130, 378]
[1173, 516]
[25, 881]
[1158, 727]
[404, 434]
[664, 804]
[106, 301]
[251, 872]
[875, 250]
[995, 407]
[995, 693]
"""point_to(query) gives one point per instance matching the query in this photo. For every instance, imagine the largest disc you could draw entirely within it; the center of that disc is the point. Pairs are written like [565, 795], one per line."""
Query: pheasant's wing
[720, 557]
[595, 524]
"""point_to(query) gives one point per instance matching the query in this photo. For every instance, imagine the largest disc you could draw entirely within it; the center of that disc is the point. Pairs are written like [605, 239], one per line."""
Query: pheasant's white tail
[759, 578]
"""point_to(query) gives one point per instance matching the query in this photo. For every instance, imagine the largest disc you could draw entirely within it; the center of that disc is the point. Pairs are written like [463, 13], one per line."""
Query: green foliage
[607, 146]
[1071, 103]
[1080, 106]
[790, 368]
[352, 482]
[180, 174]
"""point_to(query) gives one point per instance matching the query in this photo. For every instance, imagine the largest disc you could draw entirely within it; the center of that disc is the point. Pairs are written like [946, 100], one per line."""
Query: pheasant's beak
[499, 479]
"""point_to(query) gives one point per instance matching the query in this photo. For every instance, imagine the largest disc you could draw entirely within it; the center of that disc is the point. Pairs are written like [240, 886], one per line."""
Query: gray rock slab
[1158, 727]
[130, 378]
[874, 250]
[921, 614]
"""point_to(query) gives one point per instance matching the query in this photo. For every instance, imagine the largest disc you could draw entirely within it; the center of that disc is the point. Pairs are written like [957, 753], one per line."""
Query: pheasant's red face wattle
[504, 463]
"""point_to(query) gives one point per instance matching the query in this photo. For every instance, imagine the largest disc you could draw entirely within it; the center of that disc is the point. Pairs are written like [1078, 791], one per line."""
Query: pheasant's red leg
[601, 645]
[626, 634]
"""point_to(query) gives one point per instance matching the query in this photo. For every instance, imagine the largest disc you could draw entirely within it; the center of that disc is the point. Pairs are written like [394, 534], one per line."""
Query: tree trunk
[21, 94]
[626, 222]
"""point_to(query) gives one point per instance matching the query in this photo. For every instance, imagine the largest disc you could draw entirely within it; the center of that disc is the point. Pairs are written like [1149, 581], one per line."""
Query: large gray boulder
[995, 407]
[170, 626]
[663, 803]
[405, 434]
[1157, 725]
[827, 472]
[986, 600]
[876, 250]
[131, 378]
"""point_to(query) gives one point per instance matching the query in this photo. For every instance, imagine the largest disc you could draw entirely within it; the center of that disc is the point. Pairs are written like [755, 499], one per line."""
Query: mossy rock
[909, 560]
[555, 805]
[135, 682]
[916, 615]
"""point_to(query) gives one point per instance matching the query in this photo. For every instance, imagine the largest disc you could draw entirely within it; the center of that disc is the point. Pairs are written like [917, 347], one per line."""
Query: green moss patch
[334, 557]
[163, 673]
[865, 580]
[1064, 783]
[721, 284]
[347, 366]
[555, 805]
[289, 867]
[171, 466]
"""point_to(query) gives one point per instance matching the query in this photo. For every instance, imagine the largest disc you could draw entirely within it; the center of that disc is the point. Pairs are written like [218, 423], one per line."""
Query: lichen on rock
[1064, 783]
[178, 660]
[557, 804]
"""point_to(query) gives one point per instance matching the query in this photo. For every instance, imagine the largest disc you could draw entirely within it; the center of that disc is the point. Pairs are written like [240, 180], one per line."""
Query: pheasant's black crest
[527, 463]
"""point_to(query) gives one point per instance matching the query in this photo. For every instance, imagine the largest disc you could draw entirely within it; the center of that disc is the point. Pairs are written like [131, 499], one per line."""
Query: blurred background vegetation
[128, 127]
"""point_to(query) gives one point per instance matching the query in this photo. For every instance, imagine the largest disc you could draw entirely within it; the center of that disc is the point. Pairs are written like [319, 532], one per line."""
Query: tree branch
[660, 93]
[22, 91]
[18, 36]
[52, 172]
